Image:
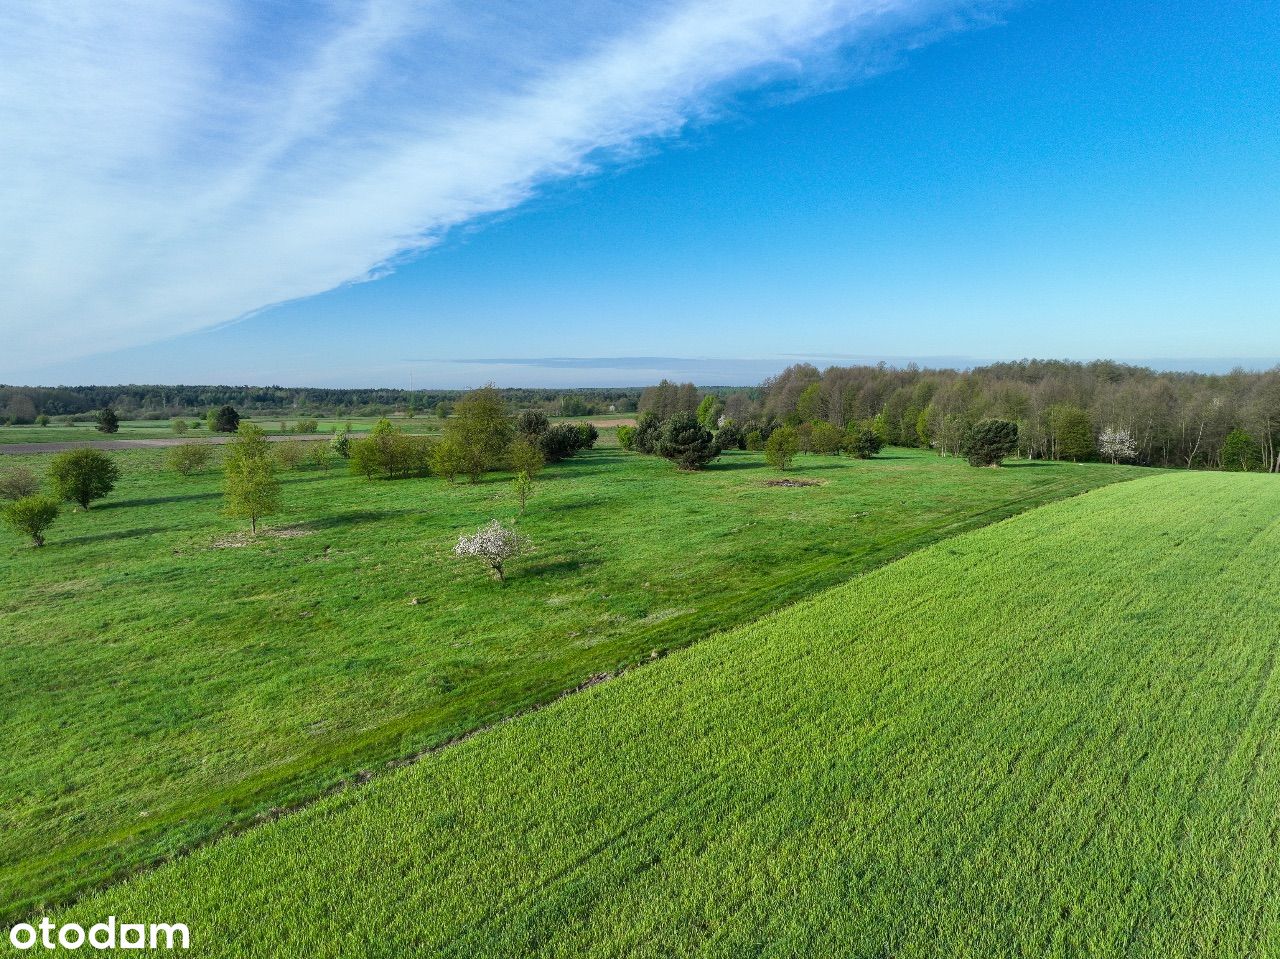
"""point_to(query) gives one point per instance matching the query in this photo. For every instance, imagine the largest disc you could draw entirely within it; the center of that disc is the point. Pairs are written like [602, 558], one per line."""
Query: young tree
[341, 442]
[687, 443]
[224, 420]
[188, 458]
[493, 544]
[82, 476]
[178, 425]
[861, 442]
[1115, 443]
[482, 430]
[781, 448]
[523, 486]
[449, 459]
[42, 419]
[30, 516]
[525, 456]
[755, 441]
[825, 439]
[108, 422]
[250, 487]
[18, 482]
[627, 437]
[709, 411]
[989, 441]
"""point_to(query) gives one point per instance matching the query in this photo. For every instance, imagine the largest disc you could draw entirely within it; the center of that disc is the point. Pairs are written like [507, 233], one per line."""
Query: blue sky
[725, 189]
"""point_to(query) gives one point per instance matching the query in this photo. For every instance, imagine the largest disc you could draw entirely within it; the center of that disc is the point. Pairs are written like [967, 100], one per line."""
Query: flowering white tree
[492, 544]
[1117, 444]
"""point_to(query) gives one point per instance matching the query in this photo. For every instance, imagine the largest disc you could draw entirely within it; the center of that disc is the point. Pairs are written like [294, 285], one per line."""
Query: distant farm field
[164, 677]
[1056, 736]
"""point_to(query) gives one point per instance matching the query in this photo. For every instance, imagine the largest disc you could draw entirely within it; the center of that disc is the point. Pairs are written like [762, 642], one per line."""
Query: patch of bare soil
[792, 483]
[246, 538]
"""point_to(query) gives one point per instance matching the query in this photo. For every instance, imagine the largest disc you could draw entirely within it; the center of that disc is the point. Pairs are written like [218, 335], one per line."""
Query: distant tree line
[1063, 410]
[24, 404]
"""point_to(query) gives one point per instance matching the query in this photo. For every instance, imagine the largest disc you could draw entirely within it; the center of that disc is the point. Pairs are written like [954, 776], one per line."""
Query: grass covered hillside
[1052, 736]
[165, 675]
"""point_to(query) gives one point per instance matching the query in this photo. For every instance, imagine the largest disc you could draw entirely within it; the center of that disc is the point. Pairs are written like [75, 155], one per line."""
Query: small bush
[30, 516]
[289, 454]
[42, 419]
[862, 442]
[178, 425]
[108, 422]
[341, 442]
[188, 458]
[306, 426]
[318, 456]
[755, 441]
[781, 448]
[18, 482]
[560, 442]
[83, 476]
[627, 437]
[988, 442]
[224, 420]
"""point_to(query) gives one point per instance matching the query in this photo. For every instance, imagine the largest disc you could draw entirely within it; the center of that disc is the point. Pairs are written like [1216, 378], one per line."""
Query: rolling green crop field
[1057, 735]
[165, 677]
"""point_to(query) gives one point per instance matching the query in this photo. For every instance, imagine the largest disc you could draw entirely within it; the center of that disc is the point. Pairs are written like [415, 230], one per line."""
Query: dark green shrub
[731, 437]
[988, 442]
[224, 420]
[862, 442]
[532, 423]
[686, 442]
[108, 422]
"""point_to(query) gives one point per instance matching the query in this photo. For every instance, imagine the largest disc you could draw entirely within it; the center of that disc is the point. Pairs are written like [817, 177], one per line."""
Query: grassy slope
[1053, 736]
[158, 688]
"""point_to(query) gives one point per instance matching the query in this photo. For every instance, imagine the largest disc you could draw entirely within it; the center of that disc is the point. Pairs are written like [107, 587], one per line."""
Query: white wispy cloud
[170, 165]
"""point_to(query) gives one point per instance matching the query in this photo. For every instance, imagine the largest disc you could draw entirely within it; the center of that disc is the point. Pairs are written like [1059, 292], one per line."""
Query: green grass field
[272, 424]
[163, 679]
[1056, 736]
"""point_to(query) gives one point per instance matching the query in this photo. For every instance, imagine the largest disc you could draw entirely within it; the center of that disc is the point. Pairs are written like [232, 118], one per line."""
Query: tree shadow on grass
[735, 464]
[340, 520]
[154, 500]
[104, 537]
[1023, 464]
[555, 567]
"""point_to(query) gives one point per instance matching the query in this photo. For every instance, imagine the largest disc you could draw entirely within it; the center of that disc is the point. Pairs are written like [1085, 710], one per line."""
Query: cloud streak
[172, 165]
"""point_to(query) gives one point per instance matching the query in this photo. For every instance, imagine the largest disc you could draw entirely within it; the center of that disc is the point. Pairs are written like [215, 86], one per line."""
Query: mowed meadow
[1054, 736]
[167, 677]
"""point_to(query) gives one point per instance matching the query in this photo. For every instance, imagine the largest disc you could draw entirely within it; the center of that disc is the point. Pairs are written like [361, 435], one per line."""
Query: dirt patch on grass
[793, 483]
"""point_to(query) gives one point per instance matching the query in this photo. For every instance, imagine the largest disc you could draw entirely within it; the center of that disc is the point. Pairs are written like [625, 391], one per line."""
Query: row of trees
[25, 404]
[1063, 410]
